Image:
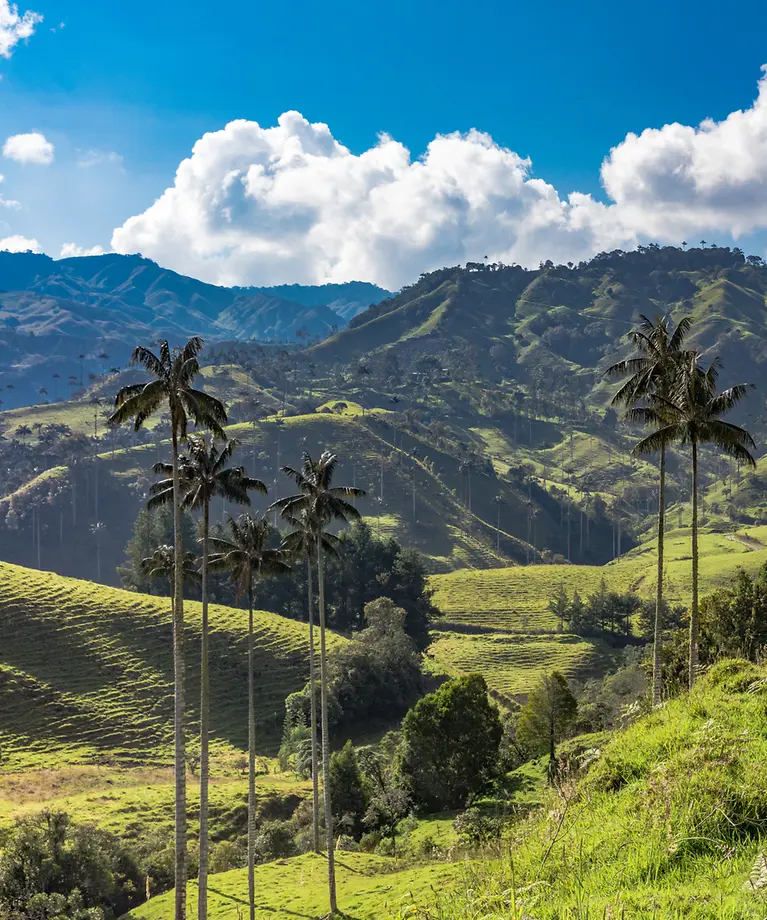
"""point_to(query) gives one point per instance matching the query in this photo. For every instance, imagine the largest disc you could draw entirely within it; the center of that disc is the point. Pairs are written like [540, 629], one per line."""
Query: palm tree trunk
[251, 761]
[657, 672]
[694, 608]
[179, 701]
[313, 690]
[326, 736]
[202, 881]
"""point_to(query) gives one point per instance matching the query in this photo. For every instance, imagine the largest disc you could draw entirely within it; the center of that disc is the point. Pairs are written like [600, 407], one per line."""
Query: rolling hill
[86, 673]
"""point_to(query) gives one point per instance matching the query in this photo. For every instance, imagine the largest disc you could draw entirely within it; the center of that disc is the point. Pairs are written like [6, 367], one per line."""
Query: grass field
[369, 888]
[86, 673]
[498, 622]
[135, 803]
[666, 824]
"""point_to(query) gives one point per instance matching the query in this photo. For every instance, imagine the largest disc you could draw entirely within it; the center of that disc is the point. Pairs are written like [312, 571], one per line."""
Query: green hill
[86, 673]
[666, 821]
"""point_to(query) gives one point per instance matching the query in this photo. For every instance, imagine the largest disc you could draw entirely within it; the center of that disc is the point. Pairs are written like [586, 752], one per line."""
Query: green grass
[133, 803]
[666, 823]
[86, 673]
[369, 888]
[512, 665]
[497, 621]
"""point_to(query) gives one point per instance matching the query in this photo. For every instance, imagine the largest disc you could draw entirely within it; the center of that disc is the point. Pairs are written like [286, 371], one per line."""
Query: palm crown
[246, 551]
[203, 474]
[173, 372]
[162, 564]
[318, 502]
[653, 367]
[692, 414]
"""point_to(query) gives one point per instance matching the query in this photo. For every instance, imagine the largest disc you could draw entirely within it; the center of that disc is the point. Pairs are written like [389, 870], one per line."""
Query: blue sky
[129, 89]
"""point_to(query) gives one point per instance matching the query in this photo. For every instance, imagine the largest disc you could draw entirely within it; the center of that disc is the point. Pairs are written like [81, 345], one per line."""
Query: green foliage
[376, 675]
[348, 792]
[50, 867]
[153, 528]
[548, 716]
[734, 619]
[450, 744]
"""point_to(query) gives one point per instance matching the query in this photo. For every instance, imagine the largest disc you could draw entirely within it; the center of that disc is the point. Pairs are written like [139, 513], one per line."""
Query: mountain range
[98, 307]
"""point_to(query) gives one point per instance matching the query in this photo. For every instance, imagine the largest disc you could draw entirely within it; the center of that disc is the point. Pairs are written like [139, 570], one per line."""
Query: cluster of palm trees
[670, 391]
[191, 480]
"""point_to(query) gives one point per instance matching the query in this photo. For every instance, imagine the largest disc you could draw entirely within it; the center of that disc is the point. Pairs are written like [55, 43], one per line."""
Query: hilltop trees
[172, 374]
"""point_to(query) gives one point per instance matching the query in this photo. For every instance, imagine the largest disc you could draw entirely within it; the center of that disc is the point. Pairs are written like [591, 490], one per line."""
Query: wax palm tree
[300, 543]
[693, 415]
[173, 373]
[246, 555]
[204, 473]
[652, 371]
[321, 503]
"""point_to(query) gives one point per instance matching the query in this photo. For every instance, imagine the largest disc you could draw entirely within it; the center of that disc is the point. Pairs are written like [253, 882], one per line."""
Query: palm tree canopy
[653, 367]
[203, 474]
[317, 500]
[162, 564]
[693, 412]
[301, 541]
[173, 373]
[246, 552]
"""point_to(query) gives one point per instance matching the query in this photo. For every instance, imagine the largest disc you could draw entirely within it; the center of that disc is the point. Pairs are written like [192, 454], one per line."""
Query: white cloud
[29, 148]
[18, 243]
[88, 158]
[680, 180]
[15, 28]
[68, 250]
[290, 203]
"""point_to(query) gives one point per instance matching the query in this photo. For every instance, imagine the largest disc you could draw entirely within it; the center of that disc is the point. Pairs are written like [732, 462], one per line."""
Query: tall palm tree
[693, 415]
[652, 371]
[204, 473]
[300, 543]
[173, 372]
[245, 554]
[321, 503]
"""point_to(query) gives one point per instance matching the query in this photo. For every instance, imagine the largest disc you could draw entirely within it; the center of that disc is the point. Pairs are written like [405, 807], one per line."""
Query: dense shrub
[450, 744]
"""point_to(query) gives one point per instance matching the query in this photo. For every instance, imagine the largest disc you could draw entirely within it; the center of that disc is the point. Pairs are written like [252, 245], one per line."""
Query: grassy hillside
[667, 822]
[86, 673]
[369, 888]
[497, 621]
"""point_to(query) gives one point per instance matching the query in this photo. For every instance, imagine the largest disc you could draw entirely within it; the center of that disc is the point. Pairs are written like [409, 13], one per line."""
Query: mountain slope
[52, 312]
[559, 322]
[86, 672]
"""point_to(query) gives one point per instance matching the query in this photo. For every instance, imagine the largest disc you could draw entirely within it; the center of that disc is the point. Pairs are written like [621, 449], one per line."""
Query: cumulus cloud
[29, 148]
[15, 28]
[68, 250]
[18, 243]
[291, 203]
[678, 179]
